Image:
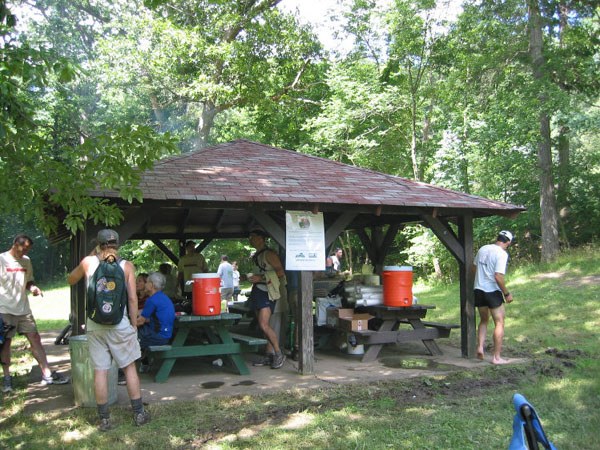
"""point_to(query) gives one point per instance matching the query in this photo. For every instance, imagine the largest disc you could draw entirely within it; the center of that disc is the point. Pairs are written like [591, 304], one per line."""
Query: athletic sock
[103, 411]
[137, 406]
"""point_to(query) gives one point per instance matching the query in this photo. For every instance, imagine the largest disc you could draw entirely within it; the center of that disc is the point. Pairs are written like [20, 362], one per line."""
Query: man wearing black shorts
[490, 292]
[268, 271]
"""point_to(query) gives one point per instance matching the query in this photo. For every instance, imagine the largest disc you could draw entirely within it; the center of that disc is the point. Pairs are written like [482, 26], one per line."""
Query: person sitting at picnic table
[155, 322]
[140, 289]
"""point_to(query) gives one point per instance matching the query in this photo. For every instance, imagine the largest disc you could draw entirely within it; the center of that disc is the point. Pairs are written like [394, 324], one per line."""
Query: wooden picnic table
[389, 331]
[220, 343]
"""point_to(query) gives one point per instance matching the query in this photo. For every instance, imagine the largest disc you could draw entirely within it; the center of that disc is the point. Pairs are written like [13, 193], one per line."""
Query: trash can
[82, 374]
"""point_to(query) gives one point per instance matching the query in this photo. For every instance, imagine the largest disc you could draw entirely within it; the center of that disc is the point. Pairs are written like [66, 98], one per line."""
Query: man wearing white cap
[491, 292]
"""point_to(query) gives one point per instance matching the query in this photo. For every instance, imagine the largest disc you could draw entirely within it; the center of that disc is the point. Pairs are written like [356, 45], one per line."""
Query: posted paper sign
[304, 241]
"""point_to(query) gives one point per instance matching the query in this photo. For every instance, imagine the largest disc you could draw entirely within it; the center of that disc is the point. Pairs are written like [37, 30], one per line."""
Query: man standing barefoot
[491, 292]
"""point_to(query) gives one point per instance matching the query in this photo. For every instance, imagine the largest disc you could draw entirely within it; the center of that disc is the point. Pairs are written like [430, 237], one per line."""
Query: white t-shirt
[337, 265]
[14, 276]
[236, 278]
[490, 259]
[225, 272]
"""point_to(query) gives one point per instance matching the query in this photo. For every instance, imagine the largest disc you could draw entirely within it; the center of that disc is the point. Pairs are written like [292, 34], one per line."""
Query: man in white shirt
[225, 272]
[16, 281]
[490, 292]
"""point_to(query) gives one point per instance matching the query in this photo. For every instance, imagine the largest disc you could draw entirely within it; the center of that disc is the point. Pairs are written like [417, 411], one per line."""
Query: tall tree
[549, 219]
[214, 56]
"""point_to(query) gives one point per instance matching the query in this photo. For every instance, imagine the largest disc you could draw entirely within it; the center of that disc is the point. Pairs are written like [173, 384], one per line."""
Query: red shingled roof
[245, 171]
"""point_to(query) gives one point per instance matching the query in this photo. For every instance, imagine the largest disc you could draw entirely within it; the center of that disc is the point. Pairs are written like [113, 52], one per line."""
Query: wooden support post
[467, 297]
[305, 325]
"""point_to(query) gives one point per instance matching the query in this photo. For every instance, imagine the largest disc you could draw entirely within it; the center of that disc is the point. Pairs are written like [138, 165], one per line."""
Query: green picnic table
[220, 343]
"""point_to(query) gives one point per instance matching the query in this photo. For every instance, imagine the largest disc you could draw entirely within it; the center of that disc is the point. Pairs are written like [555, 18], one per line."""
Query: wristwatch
[506, 294]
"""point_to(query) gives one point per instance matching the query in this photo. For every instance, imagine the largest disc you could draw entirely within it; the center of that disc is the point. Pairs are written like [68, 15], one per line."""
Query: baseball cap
[507, 234]
[106, 236]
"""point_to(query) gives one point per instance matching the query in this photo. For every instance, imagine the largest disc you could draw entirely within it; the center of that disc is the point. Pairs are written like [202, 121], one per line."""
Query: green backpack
[107, 293]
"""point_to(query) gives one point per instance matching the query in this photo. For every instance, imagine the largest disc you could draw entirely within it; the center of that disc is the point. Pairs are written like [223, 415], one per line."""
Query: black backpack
[107, 293]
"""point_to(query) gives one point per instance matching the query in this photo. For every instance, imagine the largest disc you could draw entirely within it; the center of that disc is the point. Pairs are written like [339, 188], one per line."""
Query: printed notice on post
[304, 241]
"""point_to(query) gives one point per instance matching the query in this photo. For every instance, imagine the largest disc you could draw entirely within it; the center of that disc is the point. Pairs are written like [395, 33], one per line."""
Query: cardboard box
[347, 320]
[334, 315]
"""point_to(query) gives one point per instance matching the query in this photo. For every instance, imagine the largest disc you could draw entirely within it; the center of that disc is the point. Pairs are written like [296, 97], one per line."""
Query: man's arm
[131, 293]
[502, 285]
[273, 259]
[77, 273]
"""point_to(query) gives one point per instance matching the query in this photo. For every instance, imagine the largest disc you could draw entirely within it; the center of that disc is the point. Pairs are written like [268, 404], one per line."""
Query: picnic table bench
[220, 342]
[389, 332]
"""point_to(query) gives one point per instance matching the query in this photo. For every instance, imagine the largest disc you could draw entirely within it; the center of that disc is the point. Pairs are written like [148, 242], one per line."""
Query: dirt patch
[583, 281]
[571, 279]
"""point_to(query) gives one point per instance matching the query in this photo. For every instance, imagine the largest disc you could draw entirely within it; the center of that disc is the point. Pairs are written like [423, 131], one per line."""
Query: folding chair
[527, 427]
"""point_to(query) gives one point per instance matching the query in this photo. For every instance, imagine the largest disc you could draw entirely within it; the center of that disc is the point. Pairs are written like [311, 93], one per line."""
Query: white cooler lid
[205, 275]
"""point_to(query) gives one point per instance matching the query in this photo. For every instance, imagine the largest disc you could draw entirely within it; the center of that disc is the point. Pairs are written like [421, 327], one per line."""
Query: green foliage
[49, 172]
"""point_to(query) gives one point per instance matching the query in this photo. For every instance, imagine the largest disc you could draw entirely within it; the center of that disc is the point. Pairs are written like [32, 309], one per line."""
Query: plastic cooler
[206, 296]
[82, 374]
[397, 286]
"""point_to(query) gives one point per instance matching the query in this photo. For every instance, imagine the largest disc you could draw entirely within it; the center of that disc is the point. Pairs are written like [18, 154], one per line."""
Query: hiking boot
[278, 360]
[7, 386]
[141, 418]
[105, 425]
[266, 360]
[54, 378]
[121, 379]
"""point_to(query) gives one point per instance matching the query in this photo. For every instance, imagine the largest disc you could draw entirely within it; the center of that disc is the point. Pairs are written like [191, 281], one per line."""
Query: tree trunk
[549, 216]
[205, 124]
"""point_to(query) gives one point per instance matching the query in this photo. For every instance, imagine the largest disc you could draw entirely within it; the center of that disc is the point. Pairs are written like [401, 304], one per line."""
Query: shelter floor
[198, 379]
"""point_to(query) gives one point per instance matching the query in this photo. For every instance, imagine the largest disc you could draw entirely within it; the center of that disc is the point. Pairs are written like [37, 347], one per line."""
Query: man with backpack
[111, 334]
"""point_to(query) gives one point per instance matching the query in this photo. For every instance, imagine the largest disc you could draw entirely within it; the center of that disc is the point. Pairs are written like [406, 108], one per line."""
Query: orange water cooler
[206, 296]
[397, 286]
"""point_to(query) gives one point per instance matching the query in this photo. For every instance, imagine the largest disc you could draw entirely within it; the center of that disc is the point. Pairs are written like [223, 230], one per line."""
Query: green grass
[553, 322]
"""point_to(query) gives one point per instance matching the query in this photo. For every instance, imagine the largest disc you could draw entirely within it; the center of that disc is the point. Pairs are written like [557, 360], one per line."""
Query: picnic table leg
[374, 349]
[430, 344]
[167, 363]
[165, 369]
[235, 359]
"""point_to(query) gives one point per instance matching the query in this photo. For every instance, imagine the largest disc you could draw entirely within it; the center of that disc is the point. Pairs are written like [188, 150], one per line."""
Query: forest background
[501, 102]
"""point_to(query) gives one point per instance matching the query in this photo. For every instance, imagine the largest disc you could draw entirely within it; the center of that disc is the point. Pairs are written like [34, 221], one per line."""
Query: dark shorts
[261, 299]
[148, 337]
[490, 299]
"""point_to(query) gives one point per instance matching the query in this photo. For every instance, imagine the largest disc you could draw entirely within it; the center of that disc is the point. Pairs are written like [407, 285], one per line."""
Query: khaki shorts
[226, 293]
[22, 324]
[122, 345]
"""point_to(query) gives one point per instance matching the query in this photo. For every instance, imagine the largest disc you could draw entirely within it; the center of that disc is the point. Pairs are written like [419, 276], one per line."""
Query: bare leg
[5, 356]
[37, 349]
[133, 381]
[264, 315]
[101, 386]
[484, 318]
[498, 316]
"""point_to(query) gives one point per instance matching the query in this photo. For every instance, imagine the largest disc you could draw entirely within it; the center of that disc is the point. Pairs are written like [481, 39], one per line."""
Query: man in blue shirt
[155, 322]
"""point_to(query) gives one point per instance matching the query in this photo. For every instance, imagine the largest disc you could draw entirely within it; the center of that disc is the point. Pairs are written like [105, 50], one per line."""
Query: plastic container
[206, 298]
[82, 374]
[397, 286]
